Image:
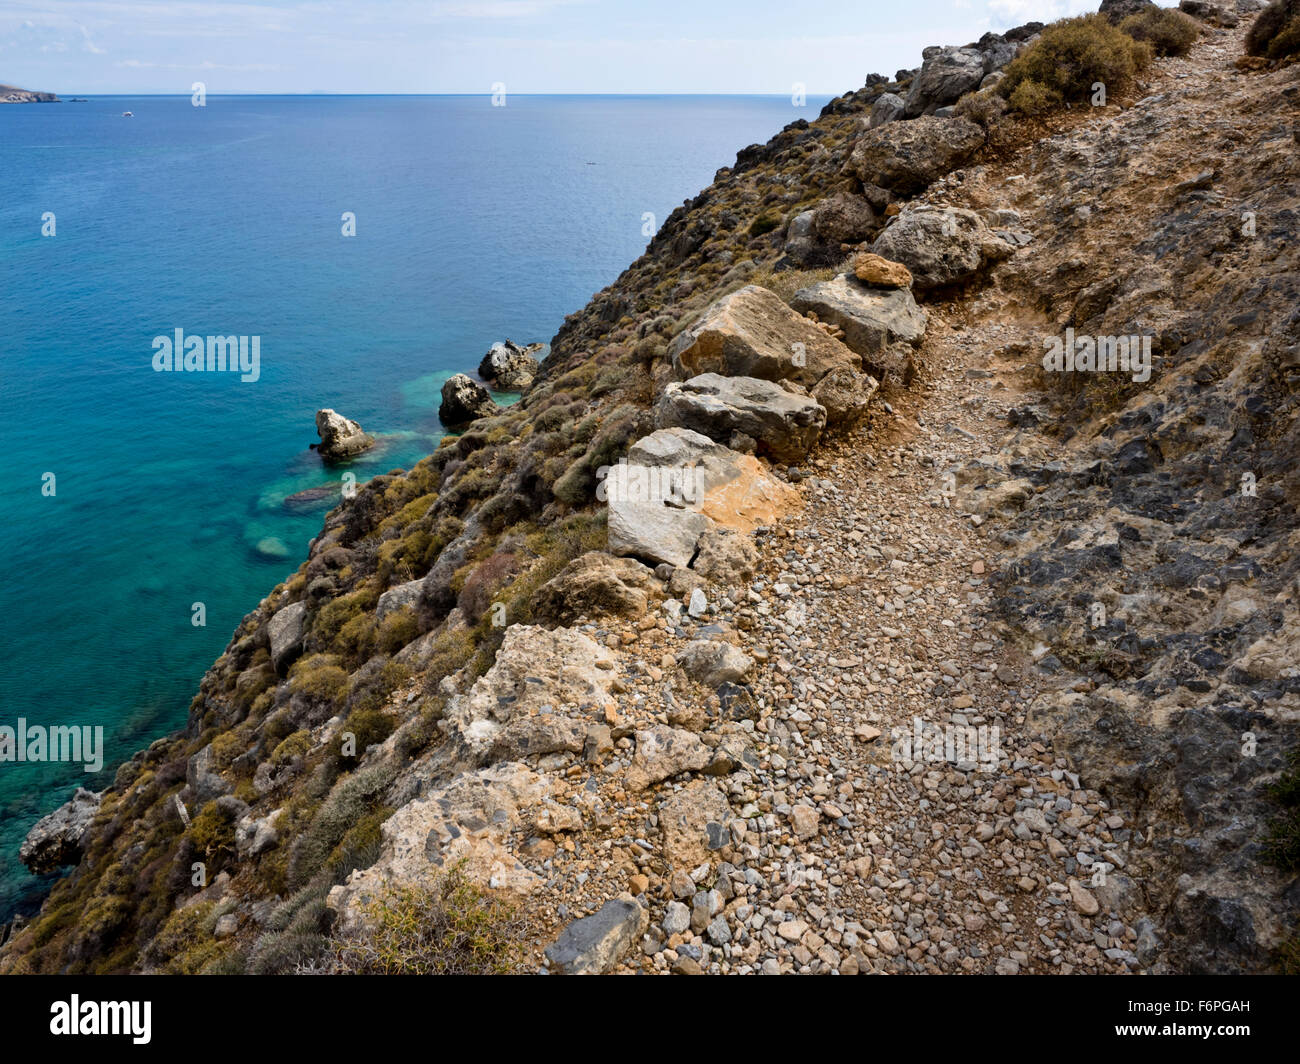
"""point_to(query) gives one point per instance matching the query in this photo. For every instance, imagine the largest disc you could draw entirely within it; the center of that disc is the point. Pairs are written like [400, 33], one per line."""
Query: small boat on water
[127, 114]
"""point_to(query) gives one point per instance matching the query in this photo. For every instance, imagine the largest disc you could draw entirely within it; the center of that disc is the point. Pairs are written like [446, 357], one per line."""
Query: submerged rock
[340, 437]
[311, 499]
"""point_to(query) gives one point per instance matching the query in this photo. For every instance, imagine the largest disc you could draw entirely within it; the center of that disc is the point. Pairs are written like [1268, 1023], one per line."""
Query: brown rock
[881, 272]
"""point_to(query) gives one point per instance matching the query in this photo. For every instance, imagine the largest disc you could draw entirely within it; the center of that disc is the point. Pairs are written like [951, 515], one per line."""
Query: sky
[471, 46]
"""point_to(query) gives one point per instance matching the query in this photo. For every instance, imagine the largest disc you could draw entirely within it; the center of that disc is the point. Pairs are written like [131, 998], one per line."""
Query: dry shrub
[1169, 32]
[1067, 60]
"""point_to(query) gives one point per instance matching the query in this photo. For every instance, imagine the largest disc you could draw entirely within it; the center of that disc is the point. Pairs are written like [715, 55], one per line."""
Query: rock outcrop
[907, 157]
[785, 425]
[509, 367]
[882, 325]
[464, 400]
[754, 333]
[10, 94]
[595, 585]
[941, 246]
[59, 838]
[340, 437]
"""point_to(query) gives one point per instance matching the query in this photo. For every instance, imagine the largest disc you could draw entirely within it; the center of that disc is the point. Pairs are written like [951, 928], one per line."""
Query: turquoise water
[474, 223]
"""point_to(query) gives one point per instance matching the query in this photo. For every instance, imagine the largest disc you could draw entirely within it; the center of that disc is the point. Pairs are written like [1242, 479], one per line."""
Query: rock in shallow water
[58, 839]
[464, 400]
[340, 437]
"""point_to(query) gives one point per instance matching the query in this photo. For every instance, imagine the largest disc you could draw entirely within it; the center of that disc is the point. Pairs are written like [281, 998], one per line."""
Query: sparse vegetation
[1282, 843]
[451, 927]
[1169, 32]
[1276, 33]
[1071, 57]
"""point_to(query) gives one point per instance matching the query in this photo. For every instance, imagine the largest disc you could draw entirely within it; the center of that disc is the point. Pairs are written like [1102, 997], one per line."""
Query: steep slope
[453, 679]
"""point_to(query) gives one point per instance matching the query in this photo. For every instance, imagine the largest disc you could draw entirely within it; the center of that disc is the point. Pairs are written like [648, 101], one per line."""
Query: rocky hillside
[10, 94]
[801, 617]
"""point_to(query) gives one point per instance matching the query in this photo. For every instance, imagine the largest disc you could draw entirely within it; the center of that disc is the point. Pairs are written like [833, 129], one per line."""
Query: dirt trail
[878, 621]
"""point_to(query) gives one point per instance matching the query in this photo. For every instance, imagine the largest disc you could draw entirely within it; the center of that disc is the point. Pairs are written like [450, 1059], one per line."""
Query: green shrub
[184, 944]
[319, 677]
[1067, 60]
[577, 485]
[449, 928]
[352, 799]
[765, 223]
[330, 618]
[1033, 98]
[296, 745]
[1169, 32]
[1282, 843]
[1276, 33]
[368, 727]
[280, 954]
[396, 630]
[212, 834]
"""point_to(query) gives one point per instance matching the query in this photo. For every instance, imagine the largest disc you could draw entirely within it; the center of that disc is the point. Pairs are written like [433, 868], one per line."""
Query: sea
[145, 512]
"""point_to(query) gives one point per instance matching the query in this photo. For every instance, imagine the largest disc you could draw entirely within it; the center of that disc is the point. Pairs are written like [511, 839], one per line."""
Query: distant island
[10, 94]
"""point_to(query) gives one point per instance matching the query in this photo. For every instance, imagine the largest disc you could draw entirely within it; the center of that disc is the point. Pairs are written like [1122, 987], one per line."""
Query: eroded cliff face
[677, 721]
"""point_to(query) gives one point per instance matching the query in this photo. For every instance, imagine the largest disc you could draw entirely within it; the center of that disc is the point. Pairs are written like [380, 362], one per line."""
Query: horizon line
[483, 95]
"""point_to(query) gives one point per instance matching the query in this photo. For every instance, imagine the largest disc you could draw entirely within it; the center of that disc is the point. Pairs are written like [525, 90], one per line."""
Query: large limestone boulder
[543, 693]
[883, 326]
[844, 219]
[941, 245]
[946, 75]
[675, 485]
[464, 400]
[726, 557]
[907, 157]
[465, 822]
[753, 333]
[399, 597]
[595, 585]
[785, 426]
[340, 437]
[59, 838]
[285, 632]
[888, 107]
[1208, 11]
[714, 661]
[509, 367]
[202, 781]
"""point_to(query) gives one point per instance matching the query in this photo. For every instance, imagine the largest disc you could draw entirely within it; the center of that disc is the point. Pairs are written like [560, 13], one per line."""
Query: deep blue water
[474, 223]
